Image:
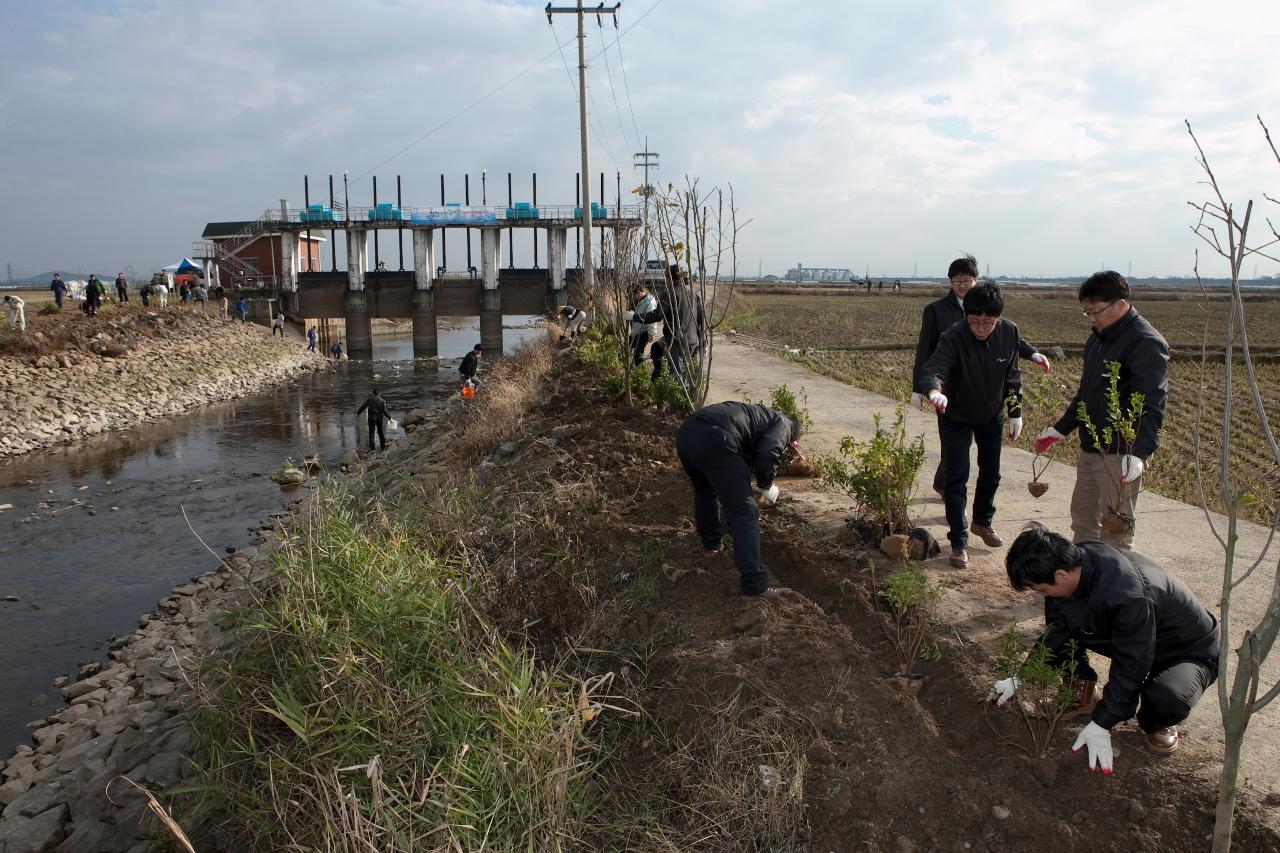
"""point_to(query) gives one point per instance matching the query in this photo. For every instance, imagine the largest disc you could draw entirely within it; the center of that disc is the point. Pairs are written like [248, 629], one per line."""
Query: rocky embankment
[127, 726]
[90, 376]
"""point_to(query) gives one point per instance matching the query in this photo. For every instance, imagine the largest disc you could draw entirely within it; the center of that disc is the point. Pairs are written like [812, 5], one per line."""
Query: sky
[1046, 138]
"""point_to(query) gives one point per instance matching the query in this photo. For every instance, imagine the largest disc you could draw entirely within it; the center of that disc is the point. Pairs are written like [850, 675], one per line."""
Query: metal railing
[485, 215]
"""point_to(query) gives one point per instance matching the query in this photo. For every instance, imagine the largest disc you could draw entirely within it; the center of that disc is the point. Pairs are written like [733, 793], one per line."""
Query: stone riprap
[57, 398]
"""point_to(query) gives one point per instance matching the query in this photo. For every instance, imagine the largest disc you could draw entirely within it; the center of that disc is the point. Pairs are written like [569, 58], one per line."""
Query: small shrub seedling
[1044, 687]
[879, 474]
[913, 605]
[1121, 424]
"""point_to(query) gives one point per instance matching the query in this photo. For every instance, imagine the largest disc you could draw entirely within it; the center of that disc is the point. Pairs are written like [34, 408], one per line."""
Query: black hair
[1037, 554]
[795, 427]
[375, 390]
[968, 265]
[1105, 286]
[477, 348]
[984, 299]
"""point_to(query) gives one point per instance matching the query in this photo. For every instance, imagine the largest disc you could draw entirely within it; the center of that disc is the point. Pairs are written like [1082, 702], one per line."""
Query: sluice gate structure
[365, 291]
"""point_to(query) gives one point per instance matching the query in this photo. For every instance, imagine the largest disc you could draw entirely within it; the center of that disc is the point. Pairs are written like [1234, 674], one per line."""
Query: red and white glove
[1131, 468]
[939, 400]
[1047, 439]
[1098, 740]
[1042, 360]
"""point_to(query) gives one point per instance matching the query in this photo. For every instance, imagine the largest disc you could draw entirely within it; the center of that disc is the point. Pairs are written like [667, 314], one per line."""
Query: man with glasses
[1119, 335]
[971, 379]
[939, 316]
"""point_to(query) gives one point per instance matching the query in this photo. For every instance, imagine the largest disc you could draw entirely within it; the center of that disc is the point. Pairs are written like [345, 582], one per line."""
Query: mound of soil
[881, 768]
[112, 334]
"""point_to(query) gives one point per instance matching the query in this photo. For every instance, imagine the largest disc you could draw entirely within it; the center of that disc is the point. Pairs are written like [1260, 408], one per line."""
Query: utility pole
[646, 160]
[588, 274]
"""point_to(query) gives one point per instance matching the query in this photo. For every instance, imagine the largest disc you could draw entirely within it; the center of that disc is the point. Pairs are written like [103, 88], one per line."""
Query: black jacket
[759, 433]
[1129, 609]
[978, 377]
[940, 315]
[680, 310]
[1144, 369]
[470, 365]
[377, 408]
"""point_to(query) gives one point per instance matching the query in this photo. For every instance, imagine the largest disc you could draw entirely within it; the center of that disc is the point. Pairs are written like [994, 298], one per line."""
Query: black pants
[382, 436]
[638, 343]
[956, 440]
[658, 355]
[275, 329]
[722, 478]
[1171, 690]
[57, 297]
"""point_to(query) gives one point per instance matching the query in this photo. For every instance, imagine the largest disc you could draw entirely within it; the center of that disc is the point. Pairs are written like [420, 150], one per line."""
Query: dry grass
[507, 393]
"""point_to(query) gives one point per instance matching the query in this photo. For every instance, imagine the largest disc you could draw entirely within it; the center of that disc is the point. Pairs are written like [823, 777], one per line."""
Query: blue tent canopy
[184, 265]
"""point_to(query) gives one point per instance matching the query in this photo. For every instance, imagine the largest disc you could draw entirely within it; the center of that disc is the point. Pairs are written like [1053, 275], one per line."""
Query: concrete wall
[389, 294]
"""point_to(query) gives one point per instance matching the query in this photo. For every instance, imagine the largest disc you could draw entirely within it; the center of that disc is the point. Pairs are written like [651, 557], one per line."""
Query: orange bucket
[468, 392]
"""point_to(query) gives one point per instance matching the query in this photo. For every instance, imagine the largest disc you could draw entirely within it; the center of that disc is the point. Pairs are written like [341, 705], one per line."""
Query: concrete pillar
[208, 274]
[557, 243]
[490, 298]
[356, 304]
[425, 344]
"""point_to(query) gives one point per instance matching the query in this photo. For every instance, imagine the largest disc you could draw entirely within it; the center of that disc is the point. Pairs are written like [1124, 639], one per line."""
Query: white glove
[1047, 439]
[1098, 740]
[917, 400]
[1131, 468]
[938, 399]
[627, 315]
[1042, 360]
[1004, 690]
[771, 495]
[1014, 428]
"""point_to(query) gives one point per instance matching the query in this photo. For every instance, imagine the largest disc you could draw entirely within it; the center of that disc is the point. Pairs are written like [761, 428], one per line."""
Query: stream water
[96, 534]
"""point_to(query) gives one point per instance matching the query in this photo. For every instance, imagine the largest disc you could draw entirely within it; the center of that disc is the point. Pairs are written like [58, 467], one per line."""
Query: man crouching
[1162, 642]
[720, 447]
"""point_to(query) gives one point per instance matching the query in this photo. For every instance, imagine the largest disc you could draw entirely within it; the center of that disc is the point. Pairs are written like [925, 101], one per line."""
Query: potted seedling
[1039, 464]
[1122, 426]
[913, 603]
[1046, 692]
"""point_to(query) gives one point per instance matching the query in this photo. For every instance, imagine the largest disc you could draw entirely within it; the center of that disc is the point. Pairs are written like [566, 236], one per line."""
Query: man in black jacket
[970, 380]
[1119, 335]
[377, 409]
[684, 324]
[942, 314]
[471, 364]
[1162, 642]
[721, 447]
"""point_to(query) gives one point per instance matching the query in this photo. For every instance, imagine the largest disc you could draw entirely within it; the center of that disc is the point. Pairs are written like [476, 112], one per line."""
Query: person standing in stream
[378, 414]
[721, 447]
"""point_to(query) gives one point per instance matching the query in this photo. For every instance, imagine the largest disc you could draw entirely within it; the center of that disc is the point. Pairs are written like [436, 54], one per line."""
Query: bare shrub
[508, 392]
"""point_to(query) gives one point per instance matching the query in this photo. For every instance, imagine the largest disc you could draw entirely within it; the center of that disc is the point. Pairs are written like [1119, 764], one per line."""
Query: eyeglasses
[982, 323]
[964, 281]
[1097, 311]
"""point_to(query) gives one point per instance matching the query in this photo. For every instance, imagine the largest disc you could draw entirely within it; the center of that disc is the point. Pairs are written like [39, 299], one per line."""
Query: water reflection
[96, 534]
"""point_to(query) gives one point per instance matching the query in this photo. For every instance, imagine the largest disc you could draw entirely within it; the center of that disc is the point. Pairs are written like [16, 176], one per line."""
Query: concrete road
[979, 602]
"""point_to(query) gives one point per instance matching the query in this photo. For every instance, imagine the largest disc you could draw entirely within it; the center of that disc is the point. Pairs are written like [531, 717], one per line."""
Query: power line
[595, 131]
[613, 92]
[477, 102]
[625, 85]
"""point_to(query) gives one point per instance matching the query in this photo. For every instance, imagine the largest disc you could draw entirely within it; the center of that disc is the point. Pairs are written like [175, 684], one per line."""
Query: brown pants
[1094, 493]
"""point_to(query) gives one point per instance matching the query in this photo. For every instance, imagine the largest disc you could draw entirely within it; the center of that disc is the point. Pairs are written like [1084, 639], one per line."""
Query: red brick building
[257, 258]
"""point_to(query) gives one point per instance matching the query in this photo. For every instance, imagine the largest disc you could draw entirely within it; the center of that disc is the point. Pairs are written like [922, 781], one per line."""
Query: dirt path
[979, 601]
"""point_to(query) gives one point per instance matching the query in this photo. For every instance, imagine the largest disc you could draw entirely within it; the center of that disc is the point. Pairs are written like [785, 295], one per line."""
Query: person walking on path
[378, 414]
[313, 338]
[202, 296]
[277, 325]
[1122, 336]
[470, 365]
[122, 288]
[1162, 642]
[941, 315]
[242, 308]
[721, 448]
[59, 288]
[15, 308]
[970, 380]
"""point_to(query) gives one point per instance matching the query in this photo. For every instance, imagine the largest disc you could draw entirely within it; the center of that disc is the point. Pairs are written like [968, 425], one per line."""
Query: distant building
[250, 253]
[802, 273]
